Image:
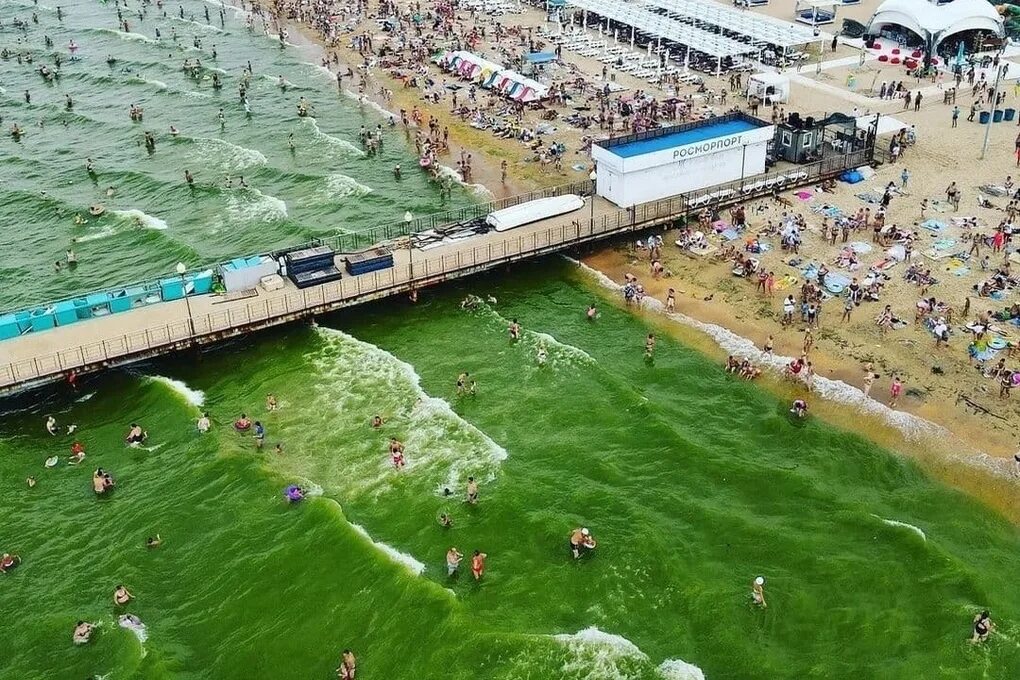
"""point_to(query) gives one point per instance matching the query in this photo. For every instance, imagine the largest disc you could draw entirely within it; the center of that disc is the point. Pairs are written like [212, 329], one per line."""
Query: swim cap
[584, 532]
[760, 581]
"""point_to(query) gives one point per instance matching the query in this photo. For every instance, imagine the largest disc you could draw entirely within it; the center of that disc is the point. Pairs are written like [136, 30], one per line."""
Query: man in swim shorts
[581, 542]
[472, 491]
[203, 424]
[758, 592]
[453, 558]
[260, 435]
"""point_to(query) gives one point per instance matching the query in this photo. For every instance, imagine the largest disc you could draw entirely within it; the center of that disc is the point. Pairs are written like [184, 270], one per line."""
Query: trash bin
[1008, 116]
[983, 118]
[997, 116]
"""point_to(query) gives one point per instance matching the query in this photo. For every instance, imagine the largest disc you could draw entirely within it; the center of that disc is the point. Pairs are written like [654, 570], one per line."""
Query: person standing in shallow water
[348, 667]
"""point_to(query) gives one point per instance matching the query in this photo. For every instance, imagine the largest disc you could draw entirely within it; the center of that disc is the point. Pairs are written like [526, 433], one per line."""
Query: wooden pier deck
[37, 358]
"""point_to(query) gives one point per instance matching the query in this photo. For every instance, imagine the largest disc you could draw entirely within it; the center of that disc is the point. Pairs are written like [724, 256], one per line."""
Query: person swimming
[102, 481]
[472, 491]
[121, 596]
[136, 435]
[77, 453]
[82, 633]
[542, 354]
[592, 313]
[203, 423]
[799, 408]
[515, 330]
[377, 422]
[8, 562]
[983, 626]
[153, 541]
[445, 521]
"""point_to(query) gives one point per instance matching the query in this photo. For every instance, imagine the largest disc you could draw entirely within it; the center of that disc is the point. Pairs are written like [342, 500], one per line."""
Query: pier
[36, 358]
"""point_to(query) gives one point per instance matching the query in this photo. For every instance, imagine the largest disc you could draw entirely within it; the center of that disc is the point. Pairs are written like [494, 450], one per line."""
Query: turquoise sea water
[692, 482]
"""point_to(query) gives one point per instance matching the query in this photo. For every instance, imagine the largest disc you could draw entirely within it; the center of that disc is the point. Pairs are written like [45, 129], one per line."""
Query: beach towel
[786, 282]
[810, 271]
[835, 283]
[933, 225]
[886, 264]
[720, 225]
[938, 206]
[730, 234]
[827, 210]
[944, 244]
[870, 197]
[804, 195]
[961, 221]
[999, 294]
[860, 247]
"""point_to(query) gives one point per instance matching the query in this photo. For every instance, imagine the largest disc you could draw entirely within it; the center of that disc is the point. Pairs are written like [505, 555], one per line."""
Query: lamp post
[408, 218]
[991, 113]
[591, 220]
[181, 270]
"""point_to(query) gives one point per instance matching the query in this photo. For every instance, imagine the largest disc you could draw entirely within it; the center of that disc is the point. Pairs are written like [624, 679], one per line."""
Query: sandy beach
[941, 385]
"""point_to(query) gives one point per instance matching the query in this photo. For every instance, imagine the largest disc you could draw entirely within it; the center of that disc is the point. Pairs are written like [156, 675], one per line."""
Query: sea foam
[606, 656]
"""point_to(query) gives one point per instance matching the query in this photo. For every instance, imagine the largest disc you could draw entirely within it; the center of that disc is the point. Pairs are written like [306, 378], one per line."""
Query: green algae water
[693, 483]
[152, 220]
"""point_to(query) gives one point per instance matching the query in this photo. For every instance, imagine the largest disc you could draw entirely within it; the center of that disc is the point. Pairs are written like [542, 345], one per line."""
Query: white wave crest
[329, 140]
[251, 205]
[442, 449]
[127, 35]
[158, 84]
[339, 185]
[904, 525]
[141, 219]
[226, 157]
[598, 655]
[192, 396]
[402, 558]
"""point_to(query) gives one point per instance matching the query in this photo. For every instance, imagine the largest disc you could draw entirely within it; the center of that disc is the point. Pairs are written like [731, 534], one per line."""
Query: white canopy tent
[934, 23]
[755, 27]
[641, 18]
[886, 124]
[769, 87]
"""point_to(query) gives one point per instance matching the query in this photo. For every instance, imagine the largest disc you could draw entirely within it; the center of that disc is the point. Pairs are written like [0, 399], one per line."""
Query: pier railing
[421, 269]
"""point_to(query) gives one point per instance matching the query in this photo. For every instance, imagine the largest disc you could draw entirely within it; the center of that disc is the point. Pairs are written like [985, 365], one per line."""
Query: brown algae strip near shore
[940, 452]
